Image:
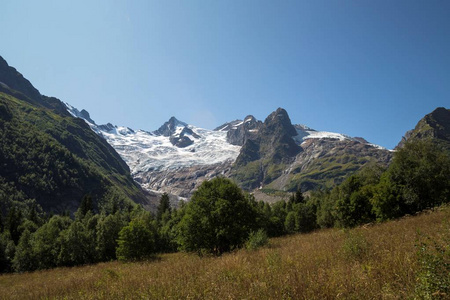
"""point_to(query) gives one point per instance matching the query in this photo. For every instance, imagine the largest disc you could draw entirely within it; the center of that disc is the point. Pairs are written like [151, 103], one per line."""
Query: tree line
[220, 217]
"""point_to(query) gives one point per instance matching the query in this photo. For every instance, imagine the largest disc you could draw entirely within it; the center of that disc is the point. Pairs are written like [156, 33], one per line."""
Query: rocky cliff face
[270, 155]
[184, 180]
[435, 125]
[239, 133]
[284, 157]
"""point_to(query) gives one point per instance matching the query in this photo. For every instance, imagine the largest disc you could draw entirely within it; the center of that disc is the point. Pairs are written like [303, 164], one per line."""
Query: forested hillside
[51, 160]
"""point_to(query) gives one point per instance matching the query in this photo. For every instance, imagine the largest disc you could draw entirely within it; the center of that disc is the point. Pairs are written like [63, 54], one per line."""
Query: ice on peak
[229, 125]
[304, 133]
[143, 150]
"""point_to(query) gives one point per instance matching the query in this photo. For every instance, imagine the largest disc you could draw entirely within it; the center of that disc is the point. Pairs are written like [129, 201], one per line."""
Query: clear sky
[362, 68]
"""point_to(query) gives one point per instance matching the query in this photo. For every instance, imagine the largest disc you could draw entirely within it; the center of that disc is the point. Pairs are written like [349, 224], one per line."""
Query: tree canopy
[218, 218]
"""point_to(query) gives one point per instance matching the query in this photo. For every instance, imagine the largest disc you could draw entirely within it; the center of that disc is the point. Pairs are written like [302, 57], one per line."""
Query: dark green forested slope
[55, 160]
[49, 157]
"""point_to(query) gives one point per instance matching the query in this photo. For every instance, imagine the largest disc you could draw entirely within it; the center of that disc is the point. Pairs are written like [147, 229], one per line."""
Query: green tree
[387, 202]
[108, 229]
[218, 218]
[325, 209]
[10, 251]
[297, 197]
[86, 205]
[290, 222]
[78, 242]
[24, 259]
[1, 220]
[46, 242]
[305, 217]
[420, 170]
[137, 240]
[163, 207]
[353, 207]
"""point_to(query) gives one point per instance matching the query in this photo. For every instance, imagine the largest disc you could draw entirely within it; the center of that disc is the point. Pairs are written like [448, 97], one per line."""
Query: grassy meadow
[380, 261]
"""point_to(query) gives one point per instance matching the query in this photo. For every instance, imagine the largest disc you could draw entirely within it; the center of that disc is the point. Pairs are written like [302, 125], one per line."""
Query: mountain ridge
[52, 158]
[163, 165]
[435, 126]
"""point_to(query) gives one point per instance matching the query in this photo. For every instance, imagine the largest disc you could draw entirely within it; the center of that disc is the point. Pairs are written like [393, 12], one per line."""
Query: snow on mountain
[177, 157]
[177, 145]
[305, 133]
[145, 151]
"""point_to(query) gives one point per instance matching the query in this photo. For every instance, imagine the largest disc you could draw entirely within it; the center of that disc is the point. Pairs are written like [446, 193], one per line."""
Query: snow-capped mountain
[173, 146]
[177, 157]
[160, 156]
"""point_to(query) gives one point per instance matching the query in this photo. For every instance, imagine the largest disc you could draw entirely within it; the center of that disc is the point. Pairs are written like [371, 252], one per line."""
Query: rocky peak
[439, 120]
[241, 131]
[228, 126]
[276, 137]
[107, 127]
[85, 115]
[18, 86]
[14, 80]
[170, 127]
[280, 123]
[435, 125]
[272, 144]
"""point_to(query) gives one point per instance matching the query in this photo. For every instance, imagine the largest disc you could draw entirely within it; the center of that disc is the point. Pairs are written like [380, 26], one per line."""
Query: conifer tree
[164, 205]
[299, 196]
[86, 205]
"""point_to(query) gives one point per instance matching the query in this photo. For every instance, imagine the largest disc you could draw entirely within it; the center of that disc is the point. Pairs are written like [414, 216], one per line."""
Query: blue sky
[363, 68]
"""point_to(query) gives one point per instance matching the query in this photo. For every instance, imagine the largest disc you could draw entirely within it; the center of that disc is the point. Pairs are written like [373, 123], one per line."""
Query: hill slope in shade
[50, 157]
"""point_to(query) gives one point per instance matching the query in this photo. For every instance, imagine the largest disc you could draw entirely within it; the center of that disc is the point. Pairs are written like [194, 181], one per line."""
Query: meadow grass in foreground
[371, 262]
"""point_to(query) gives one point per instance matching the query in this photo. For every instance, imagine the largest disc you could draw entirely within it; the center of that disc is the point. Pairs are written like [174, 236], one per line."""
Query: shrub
[257, 239]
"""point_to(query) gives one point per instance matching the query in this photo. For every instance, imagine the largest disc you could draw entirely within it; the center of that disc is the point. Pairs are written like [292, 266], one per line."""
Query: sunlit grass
[372, 262]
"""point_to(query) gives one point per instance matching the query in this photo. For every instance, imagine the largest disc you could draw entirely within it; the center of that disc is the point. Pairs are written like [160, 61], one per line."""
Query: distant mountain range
[54, 154]
[268, 156]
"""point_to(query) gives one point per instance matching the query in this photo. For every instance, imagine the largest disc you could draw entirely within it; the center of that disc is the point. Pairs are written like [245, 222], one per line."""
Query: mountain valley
[270, 158]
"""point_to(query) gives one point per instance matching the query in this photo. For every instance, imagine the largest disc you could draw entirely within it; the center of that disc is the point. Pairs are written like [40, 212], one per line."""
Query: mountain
[52, 159]
[176, 158]
[54, 154]
[238, 132]
[435, 125]
[285, 157]
[271, 155]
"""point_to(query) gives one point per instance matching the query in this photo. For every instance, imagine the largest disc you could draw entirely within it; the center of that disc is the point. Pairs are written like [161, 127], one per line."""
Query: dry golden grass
[322, 265]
